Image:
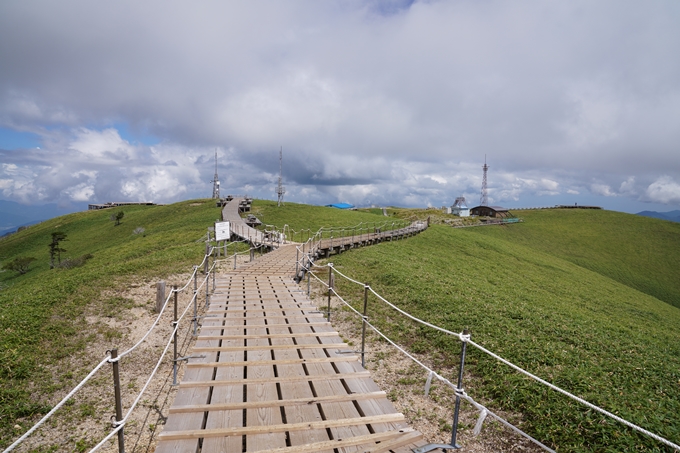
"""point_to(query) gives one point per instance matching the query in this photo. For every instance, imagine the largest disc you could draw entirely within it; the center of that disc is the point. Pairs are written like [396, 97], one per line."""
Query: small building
[460, 208]
[446, 209]
[340, 206]
[491, 211]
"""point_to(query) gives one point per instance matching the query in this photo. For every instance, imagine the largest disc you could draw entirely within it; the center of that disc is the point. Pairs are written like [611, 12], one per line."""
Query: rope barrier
[59, 405]
[483, 410]
[109, 360]
[461, 337]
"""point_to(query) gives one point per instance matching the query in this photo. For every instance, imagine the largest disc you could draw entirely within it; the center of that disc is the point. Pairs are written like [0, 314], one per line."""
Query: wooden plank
[298, 324]
[290, 402]
[281, 335]
[261, 386]
[278, 428]
[228, 394]
[352, 441]
[333, 410]
[406, 439]
[340, 358]
[260, 348]
[291, 389]
[312, 377]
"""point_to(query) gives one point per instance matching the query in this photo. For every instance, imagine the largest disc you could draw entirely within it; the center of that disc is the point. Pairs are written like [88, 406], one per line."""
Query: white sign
[222, 231]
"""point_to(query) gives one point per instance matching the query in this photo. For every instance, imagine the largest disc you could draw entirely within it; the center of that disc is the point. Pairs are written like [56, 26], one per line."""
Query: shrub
[69, 263]
[20, 264]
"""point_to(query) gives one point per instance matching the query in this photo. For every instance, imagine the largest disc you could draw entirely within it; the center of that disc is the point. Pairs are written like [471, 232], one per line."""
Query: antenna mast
[484, 201]
[280, 190]
[216, 181]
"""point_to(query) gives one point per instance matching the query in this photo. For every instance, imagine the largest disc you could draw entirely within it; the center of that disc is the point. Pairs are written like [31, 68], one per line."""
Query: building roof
[340, 205]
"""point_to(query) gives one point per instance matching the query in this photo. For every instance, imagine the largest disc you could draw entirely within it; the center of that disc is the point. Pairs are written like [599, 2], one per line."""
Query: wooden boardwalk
[274, 376]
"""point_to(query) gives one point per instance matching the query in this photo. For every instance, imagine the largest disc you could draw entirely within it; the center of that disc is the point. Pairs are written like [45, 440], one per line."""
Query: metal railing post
[118, 398]
[454, 428]
[195, 321]
[297, 264]
[363, 327]
[207, 289]
[309, 271]
[174, 326]
[330, 288]
[234, 259]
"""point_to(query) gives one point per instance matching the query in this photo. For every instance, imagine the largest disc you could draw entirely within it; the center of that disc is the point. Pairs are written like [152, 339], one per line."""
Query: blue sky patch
[11, 139]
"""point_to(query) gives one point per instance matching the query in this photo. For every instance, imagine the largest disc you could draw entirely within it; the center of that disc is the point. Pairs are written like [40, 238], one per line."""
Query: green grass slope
[584, 331]
[300, 216]
[42, 312]
[639, 252]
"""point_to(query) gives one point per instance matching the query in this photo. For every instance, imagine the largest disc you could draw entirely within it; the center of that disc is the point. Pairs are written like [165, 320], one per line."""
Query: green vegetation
[636, 251]
[42, 313]
[562, 319]
[304, 220]
[581, 298]
[20, 264]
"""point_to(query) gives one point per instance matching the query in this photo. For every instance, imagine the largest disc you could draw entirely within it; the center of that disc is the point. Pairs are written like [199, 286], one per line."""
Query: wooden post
[160, 295]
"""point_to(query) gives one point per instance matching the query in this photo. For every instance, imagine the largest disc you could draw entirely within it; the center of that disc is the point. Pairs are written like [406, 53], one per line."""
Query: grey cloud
[368, 99]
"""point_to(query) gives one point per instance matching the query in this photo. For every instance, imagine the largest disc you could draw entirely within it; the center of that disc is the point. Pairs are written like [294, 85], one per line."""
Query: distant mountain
[673, 216]
[13, 215]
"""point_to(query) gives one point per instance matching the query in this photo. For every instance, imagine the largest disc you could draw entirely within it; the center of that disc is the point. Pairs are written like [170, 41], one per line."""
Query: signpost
[222, 231]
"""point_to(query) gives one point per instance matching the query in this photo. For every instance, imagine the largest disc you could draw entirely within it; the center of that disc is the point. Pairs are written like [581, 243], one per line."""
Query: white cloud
[664, 190]
[602, 189]
[370, 102]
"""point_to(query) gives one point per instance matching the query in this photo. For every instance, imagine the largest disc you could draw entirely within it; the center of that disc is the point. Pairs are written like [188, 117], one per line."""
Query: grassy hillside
[636, 251]
[300, 216]
[42, 312]
[554, 295]
[582, 330]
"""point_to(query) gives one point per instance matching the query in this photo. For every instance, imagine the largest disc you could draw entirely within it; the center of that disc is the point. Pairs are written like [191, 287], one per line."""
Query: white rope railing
[484, 411]
[108, 359]
[120, 423]
[461, 337]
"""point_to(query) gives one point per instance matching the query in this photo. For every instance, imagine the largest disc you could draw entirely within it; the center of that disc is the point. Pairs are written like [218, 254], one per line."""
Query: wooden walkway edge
[270, 374]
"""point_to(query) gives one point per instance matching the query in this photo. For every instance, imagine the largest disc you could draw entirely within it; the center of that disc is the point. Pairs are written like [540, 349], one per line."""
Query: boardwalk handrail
[466, 339]
[119, 425]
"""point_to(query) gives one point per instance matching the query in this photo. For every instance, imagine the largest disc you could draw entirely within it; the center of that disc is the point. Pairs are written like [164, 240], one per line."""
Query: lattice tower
[484, 199]
[216, 181]
[280, 190]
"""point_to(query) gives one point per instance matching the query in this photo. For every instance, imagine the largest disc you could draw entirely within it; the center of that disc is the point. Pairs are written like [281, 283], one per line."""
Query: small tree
[117, 217]
[19, 264]
[55, 249]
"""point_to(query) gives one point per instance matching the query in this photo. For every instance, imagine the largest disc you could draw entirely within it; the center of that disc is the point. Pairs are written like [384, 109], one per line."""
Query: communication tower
[216, 181]
[484, 201]
[280, 190]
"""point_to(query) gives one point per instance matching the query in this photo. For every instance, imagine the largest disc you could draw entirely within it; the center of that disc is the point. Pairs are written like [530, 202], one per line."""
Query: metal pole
[330, 286]
[234, 259]
[195, 297]
[297, 264]
[119, 401]
[174, 325]
[309, 271]
[363, 327]
[454, 429]
[207, 288]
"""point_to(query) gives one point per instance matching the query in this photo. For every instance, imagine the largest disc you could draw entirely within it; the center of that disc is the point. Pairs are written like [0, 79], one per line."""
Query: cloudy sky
[388, 103]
